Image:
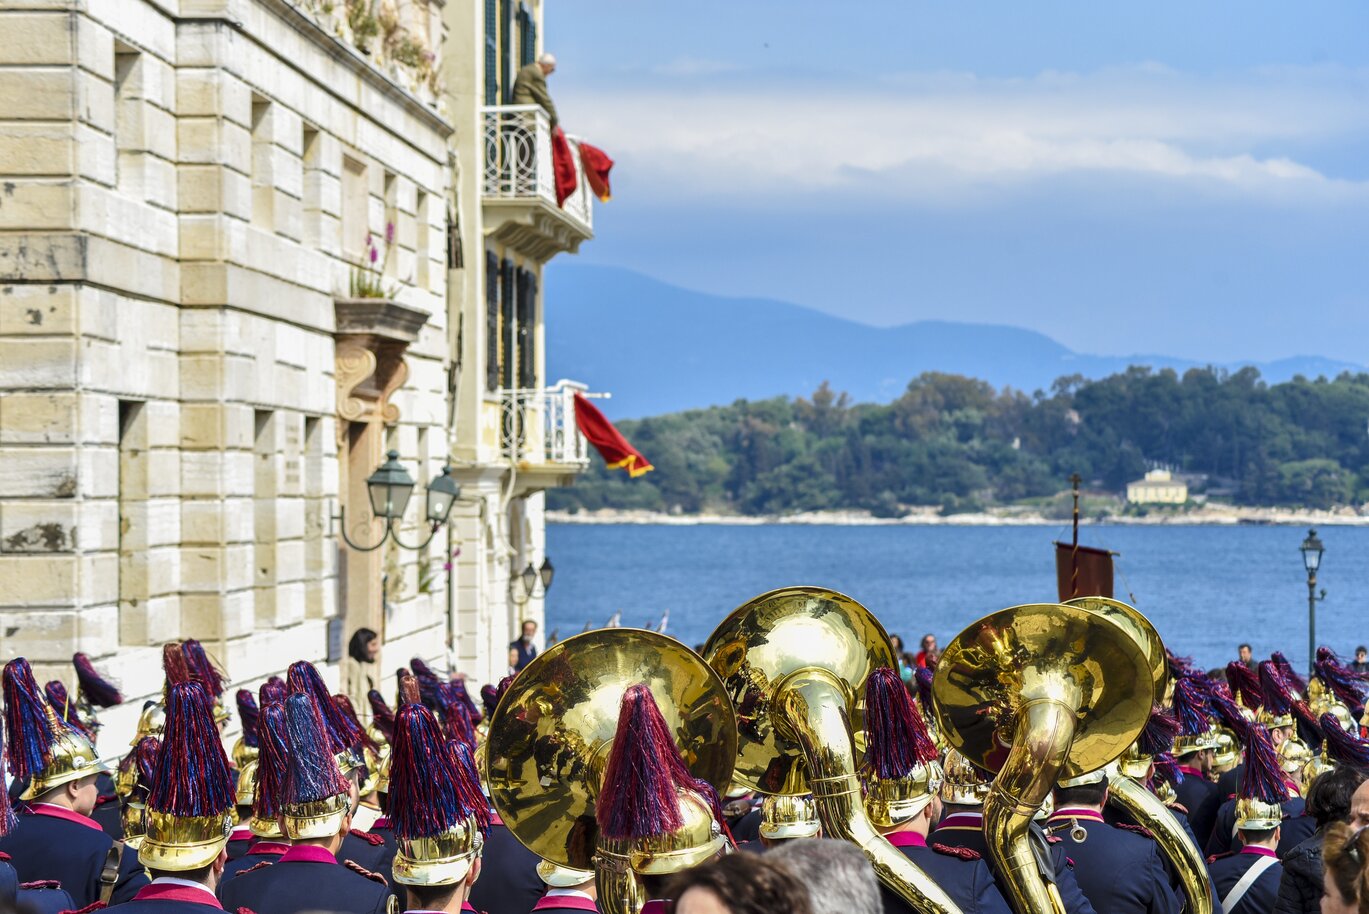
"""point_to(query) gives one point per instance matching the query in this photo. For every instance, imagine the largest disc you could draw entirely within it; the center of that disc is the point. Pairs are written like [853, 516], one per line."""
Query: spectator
[1361, 663]
[359, 669]
[530, 86]
[905, 669]
[930, 654]
[1244, 655]
[1328, 802]
[1345, 852]
[740, 884]
[524, 646]
[837, 874]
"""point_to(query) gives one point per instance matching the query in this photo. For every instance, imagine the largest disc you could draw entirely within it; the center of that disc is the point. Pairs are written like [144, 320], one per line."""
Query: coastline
[1205, 515]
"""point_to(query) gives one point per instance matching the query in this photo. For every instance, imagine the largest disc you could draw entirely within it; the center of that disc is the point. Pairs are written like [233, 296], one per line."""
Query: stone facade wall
[183, 187]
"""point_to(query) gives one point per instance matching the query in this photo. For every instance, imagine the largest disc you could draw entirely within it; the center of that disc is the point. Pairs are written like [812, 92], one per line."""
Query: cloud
[692, 67]
[942, 135]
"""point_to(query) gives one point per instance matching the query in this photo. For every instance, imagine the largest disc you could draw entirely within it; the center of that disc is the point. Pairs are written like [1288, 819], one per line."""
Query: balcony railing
[538, 425]
[518, 161]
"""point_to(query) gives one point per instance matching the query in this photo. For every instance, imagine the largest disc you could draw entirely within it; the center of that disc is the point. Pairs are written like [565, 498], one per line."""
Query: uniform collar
[1190, 771]
[61, 812]
[307, 853]
[1075, 812]
[169, 888]
[565, 898]
[263, 848]
[241, 833]
[906, 839]
[655, 906]
[494, 817]
[973, 820]
[1259, 851]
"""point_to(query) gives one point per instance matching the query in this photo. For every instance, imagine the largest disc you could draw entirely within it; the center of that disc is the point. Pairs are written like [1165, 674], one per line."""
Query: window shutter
[491, 52]
[509, 322]
[527, 329]
[491, 320]
[506, 49]
[527, 36]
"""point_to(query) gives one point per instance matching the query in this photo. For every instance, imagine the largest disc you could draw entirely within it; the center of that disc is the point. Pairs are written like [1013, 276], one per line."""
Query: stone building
[195, 374]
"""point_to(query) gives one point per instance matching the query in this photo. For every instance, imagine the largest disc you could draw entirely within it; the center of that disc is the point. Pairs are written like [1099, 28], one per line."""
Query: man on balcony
[530, 86]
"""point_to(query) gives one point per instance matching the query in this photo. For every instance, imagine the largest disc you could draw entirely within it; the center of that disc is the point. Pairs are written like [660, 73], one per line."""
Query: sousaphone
[1039, 693]
[549, 743]
[795, 662]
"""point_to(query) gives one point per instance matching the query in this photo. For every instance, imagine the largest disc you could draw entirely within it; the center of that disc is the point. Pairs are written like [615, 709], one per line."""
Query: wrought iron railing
[518, 161]
[538, 425]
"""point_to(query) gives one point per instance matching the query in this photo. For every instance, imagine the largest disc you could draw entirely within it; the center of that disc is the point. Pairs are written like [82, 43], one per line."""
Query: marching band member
[1247, 881]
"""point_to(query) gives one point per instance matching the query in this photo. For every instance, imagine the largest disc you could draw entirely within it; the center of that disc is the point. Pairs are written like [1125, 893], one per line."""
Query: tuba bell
[1041, 693]
[1126, 790]
[795, 662]
[549, 744]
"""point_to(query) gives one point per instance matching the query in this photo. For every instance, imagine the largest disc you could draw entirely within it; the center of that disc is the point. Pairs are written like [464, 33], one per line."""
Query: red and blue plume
[272, 691]
[425, 799]
[95, 688]
[28, 733]
[1180, 667]
[1274, 690]
[1191, 707]
[468, 785]
[1262, 779]
[192, 776]
[1229, 713]
[272, 761]
[145, 760]
[458, 687]
[1245, 684]
[896, 740]
[489, 697]
[922, 676]
[1296, 683]
[7, 819]
[56, 694]
[715, 806]
[354, 727]
[248, 713]
[429, 684]
[304, 679]
[1350, 687]
[638, 798]
[1167, 769]
[1341, 747]
[454, 715]
[202, 668]
[1157, 736]
[175, 666]
[311, 773]
[381, 715]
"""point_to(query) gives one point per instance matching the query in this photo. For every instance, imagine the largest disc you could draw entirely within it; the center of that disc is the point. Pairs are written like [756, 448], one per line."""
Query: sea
[1205, 588]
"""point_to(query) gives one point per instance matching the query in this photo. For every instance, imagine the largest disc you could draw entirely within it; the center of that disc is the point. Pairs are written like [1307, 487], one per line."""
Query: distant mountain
[660, 348]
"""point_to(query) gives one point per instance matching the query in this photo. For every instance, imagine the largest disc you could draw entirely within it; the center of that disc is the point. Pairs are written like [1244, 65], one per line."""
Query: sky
[1186, 179]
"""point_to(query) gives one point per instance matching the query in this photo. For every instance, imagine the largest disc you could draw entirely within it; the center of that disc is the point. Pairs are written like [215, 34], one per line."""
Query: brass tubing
[1045, 729]
[616, 884]
[1146, 809]
[813, 703]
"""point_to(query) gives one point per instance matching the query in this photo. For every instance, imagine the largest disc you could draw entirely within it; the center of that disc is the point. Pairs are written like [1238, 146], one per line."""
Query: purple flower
[389, 233]
[373, 254]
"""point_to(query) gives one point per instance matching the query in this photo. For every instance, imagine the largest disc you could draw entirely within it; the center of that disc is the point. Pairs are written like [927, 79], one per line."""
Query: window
[391, 186]
[508, 322]
[128, 117]
[310, 146]
[492, 320]
[527, 36]
[506, 49]
[492, 52]
[354, 202]
[527, 329]
[421, 253]
[263, 174]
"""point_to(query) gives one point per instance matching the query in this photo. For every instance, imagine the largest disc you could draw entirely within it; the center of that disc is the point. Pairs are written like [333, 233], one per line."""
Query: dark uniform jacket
[53, 843]
[165, 897]
[960, 873]
[308, 878]
[1297, 828]
[238, 842]
[966, 829]
[553, 903]
[1301, 886]
[748, 827]
[1228, 870]
[37, 897]
[263, 850]
[1201, 798]
[368, 851]
[508, 882]
[1112, 815]
[1120, 872]
[108, 815]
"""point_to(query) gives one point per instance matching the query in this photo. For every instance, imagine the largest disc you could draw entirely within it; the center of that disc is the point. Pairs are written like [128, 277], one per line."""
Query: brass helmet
[964, 784]
[140, 766]
[1227, 754]
[246, 790]
[1263, 789]
[562, 877]
[789, 817]
[1293, 756]
[151, 721]
[317, 797]
[190, 806]
[1196, 731]
[40, 745]
[901, 774]
[1276, 712]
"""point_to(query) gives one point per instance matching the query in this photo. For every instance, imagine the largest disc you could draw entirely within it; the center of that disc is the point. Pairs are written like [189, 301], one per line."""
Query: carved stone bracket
[372, 337]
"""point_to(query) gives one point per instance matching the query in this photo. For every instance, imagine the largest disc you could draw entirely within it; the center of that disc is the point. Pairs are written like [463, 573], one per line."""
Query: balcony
[538, 435]
[518, 188]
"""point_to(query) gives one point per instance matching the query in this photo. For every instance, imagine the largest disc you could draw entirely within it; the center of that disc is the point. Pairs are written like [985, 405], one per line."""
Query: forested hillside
[960, 444]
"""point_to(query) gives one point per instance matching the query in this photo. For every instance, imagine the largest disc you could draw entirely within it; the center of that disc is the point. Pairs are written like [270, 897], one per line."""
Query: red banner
[562, 166]
[1082, 571]
[597, 165]
[607, 440]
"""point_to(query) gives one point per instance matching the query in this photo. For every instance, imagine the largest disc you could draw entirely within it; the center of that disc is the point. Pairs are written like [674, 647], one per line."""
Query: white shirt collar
[566, 893]
[188, 883]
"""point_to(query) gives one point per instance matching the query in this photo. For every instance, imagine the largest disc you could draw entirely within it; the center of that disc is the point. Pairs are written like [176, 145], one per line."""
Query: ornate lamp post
[1312, 550]
[523, 586]
[389, 488]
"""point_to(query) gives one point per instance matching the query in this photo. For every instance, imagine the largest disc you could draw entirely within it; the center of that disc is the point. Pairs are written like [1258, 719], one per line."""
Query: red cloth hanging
[597, 165]
[563, 166]
[607, 440]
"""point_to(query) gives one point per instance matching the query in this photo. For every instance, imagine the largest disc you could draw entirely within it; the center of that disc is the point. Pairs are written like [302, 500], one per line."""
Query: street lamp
[529, 578]
[1312, 550]
[389, 489]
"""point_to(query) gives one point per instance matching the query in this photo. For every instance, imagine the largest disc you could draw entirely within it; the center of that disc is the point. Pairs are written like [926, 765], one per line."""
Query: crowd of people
[1260, 772]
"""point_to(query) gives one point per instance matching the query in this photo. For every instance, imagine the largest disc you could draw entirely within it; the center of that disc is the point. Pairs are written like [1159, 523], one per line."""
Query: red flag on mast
[1082, 571]
[607, 440]
[597, 165]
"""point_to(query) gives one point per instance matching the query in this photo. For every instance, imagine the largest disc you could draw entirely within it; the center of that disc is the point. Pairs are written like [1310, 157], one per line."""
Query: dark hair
[1256, 835]
[1328, 799]
[746, 884]
[1082, 795]
[200, 874]
[1344, 852]
[431, 897]
[356, 648]
[1240, 647]
[1362, 648]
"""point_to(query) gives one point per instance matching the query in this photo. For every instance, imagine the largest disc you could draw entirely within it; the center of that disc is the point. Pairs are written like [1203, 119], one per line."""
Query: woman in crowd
[739, 884]
[359, 668]
[1345, 853]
